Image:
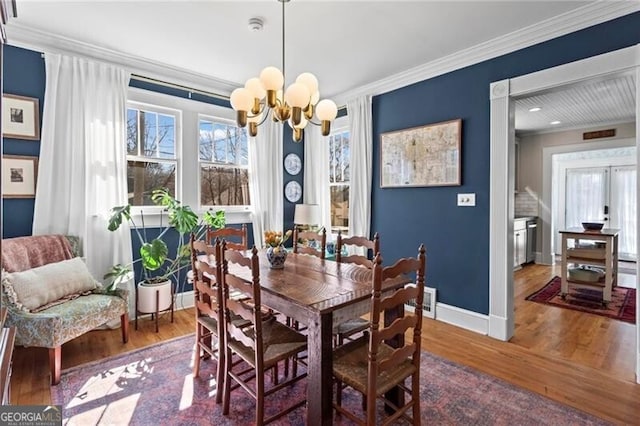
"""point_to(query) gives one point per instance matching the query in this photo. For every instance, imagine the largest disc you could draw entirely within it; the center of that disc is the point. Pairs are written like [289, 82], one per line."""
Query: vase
[276, 256]
[154, 297]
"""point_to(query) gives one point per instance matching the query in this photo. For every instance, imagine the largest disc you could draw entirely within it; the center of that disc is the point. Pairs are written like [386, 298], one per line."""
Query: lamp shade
[307, 214]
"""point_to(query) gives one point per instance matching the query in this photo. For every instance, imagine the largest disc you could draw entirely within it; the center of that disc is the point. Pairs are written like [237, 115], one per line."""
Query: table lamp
[306, 215]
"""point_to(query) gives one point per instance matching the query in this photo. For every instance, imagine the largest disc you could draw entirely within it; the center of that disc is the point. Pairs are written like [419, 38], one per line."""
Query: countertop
[525, 218]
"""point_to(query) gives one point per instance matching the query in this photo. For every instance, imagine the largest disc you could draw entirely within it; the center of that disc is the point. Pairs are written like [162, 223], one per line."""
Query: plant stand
[154, 299]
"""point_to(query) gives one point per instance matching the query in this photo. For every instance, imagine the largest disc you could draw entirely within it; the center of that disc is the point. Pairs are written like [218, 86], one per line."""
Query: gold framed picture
[19, 176]
[20, 117]
[421, 156]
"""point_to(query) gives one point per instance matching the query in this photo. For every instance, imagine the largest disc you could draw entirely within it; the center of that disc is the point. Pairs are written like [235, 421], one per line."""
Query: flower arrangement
[276, 239]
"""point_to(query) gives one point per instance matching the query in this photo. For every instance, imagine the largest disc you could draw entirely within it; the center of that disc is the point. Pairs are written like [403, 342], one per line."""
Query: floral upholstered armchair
[51, 297]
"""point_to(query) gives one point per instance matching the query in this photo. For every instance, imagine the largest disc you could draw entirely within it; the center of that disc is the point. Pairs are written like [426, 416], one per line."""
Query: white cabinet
[519, 242]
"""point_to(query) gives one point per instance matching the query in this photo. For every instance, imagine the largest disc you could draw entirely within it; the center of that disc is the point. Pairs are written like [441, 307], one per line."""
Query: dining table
[321, 294]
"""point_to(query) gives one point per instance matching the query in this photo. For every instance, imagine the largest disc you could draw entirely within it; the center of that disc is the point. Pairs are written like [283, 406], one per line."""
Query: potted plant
[276, 253]
[158, 269]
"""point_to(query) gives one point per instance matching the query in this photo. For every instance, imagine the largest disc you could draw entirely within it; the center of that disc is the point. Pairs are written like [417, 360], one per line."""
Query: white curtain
[316, 173]
[585, 195]
[83, 169]
[623, 209]
[265, 180]
[360, 132]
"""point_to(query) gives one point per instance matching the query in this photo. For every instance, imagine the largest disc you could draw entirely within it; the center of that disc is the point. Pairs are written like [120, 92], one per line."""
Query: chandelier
[263, 96]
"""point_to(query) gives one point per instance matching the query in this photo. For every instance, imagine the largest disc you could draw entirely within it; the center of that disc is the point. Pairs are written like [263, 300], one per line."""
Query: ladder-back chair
[373, 367]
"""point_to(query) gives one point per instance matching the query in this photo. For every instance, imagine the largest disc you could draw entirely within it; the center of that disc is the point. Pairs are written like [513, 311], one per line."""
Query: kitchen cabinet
[519, 242]
[602, 252]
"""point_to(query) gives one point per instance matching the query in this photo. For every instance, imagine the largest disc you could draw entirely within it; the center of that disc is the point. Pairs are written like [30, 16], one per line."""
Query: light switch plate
[467, 200]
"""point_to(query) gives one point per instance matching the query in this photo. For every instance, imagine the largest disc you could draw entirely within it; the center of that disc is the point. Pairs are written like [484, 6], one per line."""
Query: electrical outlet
[467, 200]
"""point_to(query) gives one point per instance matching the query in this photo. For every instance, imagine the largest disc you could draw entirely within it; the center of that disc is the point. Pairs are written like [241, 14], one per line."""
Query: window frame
[177, 160]
[227, 208]
[339, 129]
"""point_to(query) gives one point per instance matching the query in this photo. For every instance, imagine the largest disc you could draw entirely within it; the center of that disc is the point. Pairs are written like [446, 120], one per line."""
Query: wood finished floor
[581, 360]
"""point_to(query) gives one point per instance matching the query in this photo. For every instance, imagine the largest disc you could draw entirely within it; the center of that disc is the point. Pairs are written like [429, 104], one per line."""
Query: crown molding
[586, 16]
[21, 36]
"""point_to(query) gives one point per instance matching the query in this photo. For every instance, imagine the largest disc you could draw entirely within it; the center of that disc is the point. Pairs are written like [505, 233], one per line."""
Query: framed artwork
[421, 156]
[20, 117]
[19, 175]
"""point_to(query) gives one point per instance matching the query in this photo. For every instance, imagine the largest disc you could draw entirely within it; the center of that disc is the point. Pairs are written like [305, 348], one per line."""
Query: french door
[596, 194]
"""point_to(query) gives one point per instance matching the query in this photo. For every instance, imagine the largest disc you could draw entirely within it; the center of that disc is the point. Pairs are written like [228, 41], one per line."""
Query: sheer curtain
[316, 173]
[83, 169]
[265, 180]
[623, 209]
[585, 196]
[360, 130]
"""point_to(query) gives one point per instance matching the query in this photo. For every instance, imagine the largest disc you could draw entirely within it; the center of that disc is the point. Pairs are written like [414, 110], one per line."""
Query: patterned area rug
[154, 386]
[622, 306]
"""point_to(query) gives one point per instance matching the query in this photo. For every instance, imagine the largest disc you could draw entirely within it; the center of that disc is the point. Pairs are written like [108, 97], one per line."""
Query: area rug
[154, 386]
[622, 306]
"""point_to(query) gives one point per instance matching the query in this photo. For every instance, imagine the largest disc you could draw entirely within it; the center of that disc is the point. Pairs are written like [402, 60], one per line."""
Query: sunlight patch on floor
[186, 397]
[119, 412]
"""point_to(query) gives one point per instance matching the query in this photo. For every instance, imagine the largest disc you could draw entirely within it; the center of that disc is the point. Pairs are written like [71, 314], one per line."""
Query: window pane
[166, 136]
[224, 186]
[205, 143]
[143, 177]
[149, 129]
[346, 156]
[132, 131]
[339, 208]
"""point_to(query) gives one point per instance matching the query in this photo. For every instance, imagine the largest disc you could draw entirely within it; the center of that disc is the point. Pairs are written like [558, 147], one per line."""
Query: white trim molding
[502, 170]
[462, 318]
[21, 36]
[589, 15]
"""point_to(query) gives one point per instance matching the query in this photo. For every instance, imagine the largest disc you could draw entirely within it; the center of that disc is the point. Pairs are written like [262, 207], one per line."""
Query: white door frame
[502, 166]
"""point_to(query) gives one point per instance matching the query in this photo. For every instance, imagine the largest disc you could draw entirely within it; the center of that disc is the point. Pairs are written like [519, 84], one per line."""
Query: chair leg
[55, 361]
[259, 399]
[415, 392]
[221, 377]
[196, 358]
[227, 382]
[124, 324]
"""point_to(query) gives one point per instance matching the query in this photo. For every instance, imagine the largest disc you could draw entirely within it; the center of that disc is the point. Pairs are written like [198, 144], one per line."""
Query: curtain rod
[178, 86]
[189, 89]
[182, 87]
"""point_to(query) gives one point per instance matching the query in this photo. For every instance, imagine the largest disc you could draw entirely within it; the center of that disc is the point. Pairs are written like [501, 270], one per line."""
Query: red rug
[154, 386]
[622, 306]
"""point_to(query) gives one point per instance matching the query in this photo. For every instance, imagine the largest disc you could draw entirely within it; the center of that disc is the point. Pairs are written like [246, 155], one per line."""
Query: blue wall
[457, 239]
[23, 74]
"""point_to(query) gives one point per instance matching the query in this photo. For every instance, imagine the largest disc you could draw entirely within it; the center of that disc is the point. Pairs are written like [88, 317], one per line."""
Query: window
[339, 159]
[151, 152]
[224, 164]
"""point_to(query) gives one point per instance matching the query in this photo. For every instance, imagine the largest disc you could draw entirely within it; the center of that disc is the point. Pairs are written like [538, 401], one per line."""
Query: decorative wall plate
[293, 191]
[292, 163]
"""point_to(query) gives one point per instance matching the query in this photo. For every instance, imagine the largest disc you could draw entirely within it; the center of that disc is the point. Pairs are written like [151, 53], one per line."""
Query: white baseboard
[463, 318]
[184, 300]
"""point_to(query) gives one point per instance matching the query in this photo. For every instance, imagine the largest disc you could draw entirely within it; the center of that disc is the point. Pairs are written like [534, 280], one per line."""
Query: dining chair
[365, 250]
[262, 344]
[236, 237]
[208, 310]
[372, 366]
[302, 242]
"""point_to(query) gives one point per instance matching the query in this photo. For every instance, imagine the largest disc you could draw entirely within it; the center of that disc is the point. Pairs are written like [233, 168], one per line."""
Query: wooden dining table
[320, 294]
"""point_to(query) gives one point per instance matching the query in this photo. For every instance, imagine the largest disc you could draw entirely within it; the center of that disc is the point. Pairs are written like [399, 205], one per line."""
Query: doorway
[503, 95]
[597, 186]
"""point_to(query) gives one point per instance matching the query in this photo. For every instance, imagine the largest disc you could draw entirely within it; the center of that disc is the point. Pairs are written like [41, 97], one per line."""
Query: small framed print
[20, 117]
[292, 164]
[19, 175]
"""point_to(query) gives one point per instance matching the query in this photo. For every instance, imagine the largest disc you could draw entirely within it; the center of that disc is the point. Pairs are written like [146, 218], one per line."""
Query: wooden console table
[604, 255]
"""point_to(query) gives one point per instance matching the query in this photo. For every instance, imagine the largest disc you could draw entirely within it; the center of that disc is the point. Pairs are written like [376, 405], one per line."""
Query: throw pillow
[41, 286]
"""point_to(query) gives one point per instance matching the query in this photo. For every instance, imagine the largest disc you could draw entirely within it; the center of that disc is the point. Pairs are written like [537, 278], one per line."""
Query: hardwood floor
[582, 360]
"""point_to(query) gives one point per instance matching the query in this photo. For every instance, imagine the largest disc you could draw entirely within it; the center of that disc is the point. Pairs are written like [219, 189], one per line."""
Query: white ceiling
[347, 44]
[603, 101]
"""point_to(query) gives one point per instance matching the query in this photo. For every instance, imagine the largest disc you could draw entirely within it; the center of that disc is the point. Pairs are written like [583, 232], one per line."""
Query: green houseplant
[156, 264]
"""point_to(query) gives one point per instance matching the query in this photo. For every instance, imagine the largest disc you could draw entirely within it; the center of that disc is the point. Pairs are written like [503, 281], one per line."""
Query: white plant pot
[147, 297]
